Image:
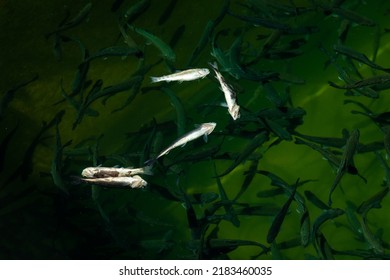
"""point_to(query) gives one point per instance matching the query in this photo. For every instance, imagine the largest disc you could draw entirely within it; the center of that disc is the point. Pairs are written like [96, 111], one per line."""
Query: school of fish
[280, 35]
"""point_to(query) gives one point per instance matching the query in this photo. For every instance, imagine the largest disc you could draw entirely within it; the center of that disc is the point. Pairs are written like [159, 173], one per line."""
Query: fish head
[208, 127]
[235, 112]
[203, 72]
[138, 182]
[88, 172]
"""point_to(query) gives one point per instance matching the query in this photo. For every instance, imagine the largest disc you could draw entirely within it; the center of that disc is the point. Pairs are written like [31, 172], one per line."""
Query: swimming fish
[57, 161]
[279, 218]
[164, 48]
[78, 19]
[186, 75]
[346, 161]
[105, 172]
[380, 82]
[8, 96]
[326, 215]
[230, 95]
[134, 182]
[203, 130]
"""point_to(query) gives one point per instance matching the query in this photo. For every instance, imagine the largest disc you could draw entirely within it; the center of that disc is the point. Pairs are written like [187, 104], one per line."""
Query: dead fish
[105, 172]
[134, 182]
[186, 75]
[230, 95]
[203, 130]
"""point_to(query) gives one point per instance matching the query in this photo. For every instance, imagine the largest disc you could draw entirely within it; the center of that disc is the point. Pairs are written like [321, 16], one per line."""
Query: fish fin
[183, 145]
[205, 138]
[223, 104]
[196, 125]
[155, 79]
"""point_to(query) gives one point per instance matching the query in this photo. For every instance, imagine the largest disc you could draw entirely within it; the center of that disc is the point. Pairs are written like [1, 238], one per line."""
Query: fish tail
[214, 65]
[335, 85]
[148, 169]
[75, 180]
[155, 79]
[150, 163]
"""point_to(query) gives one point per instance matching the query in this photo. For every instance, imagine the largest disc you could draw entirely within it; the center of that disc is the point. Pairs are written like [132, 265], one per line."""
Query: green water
[39, 221]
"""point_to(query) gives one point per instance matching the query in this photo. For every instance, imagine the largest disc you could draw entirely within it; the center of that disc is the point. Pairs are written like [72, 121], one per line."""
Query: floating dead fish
[134, 182]
[186, 75]
[230, 95]
[203, 130]
[105, 172]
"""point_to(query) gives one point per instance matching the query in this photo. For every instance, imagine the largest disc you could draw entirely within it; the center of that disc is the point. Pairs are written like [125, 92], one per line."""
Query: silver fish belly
[186, 75]
[105, 172]
[203, 129]
[230, 95]
[134, 182]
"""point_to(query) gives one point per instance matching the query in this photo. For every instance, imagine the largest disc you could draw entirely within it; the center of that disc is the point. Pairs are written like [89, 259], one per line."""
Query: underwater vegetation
[104, 104]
